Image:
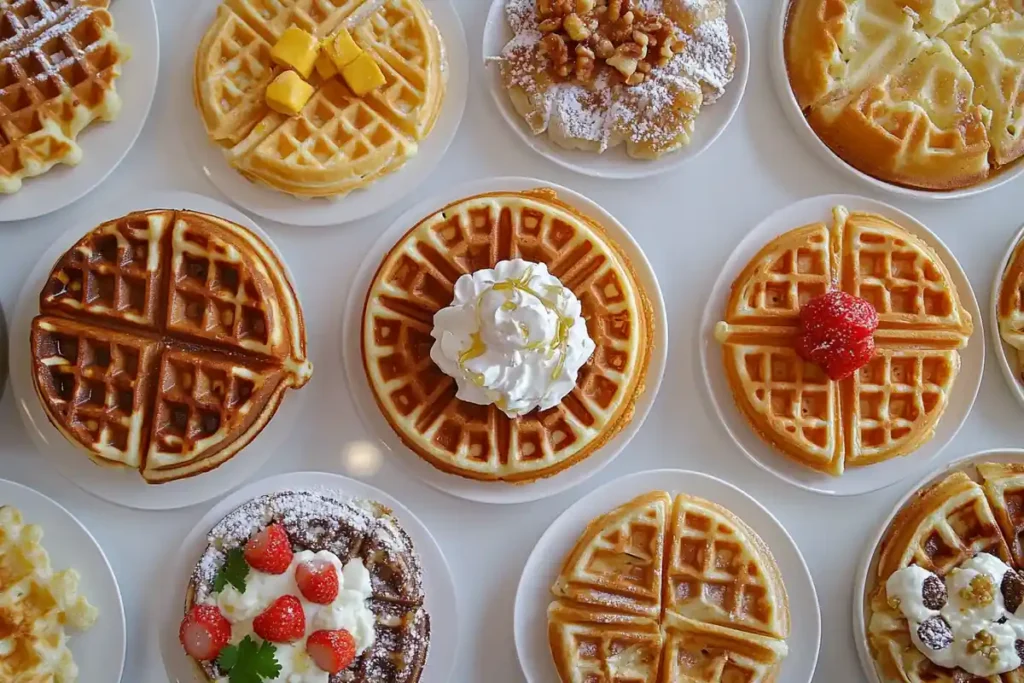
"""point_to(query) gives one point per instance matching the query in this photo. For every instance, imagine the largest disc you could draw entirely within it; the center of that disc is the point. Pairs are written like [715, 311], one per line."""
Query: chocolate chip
[934, 593]
[935, 633]
[1013, 590]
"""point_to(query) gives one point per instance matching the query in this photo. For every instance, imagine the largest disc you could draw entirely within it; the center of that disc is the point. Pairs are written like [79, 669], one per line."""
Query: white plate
[378, 196]
[99, 652]
[534, 593]
[869, 563]
[856, 480]
[126, 487]
[615, 163]
[470, 489]
[438, 585]
[803, 128]
[104, 144]
[1005, 354]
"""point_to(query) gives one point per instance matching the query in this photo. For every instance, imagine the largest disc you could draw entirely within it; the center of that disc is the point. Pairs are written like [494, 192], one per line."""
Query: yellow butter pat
[296, 49]
[363, 75]
[343, 49]
[288, 93]
[325, 67]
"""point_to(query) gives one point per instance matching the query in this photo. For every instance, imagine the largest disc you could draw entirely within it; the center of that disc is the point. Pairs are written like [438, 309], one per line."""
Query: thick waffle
[416, 280]
[166, 341]
[59, 60]
[725, 611]
[339, 142]
[890, 407]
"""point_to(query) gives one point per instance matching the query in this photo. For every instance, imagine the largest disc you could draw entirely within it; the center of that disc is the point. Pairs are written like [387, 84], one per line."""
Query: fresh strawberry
[333, 651]
[839, 362]
[836, 333]
[282, 622]
[318, 581]
[269, 551]
[204, 632]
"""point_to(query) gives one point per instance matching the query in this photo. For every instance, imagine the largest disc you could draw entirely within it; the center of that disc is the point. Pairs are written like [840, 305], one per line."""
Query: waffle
[416, 280]
[349, 528]
[661, 591]
[165, 342]
[36, 605]
[891, 406]
[59, 60]
[919, 93]
[338, 142]
[1010, 311]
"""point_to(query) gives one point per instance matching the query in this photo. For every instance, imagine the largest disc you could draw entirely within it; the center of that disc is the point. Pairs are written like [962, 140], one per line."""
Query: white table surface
[688, 222]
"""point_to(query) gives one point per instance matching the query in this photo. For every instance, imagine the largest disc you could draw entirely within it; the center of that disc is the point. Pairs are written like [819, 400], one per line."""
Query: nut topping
[979, 592]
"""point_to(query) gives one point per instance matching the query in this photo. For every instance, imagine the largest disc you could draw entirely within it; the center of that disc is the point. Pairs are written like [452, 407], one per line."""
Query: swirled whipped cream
[514, 336]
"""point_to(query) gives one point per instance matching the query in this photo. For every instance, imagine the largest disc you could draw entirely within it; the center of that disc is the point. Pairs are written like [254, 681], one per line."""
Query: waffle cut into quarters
[338, 142]
[890, 407]
[59, 60]
[165, 342]
[417, 279]
[665, 590]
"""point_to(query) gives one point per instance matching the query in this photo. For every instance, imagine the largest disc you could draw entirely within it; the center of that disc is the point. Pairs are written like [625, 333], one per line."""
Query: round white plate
[615, 163]
[1006, 355]
[869, 563]
[470, 489]
[534, 593]
[438, 585]
[99, 652]
[378, 196]
[126, 487]
[855, 480]
[803, 128]
[104, 144]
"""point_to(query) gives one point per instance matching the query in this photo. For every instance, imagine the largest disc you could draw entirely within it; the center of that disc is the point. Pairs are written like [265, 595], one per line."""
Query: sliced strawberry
[204, 632]
[282, 622]
[318, 581]
[333, 651]
[269, 551]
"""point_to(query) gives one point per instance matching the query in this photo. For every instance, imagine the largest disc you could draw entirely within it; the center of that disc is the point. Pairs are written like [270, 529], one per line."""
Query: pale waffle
[338, 142]
[165, 342]
[919, 93]
[416, 280]
[59, 60]
[891, 406]
[724, 614]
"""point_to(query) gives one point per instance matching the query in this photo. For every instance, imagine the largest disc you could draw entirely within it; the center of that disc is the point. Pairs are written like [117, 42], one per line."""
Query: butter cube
[325, 67]
[363, 75]
[288, 93]
[343, 49]
[296, 49]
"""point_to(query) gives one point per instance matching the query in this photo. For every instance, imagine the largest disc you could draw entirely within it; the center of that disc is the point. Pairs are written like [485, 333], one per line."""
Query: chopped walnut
[575, 27]
[584, 63]
[550, 24]
[981, 591]
[584, 6]
[983, 643]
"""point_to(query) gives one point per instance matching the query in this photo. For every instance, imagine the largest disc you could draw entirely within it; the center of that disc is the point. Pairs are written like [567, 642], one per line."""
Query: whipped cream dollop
[348, 611]
[973, 620]
[513, 336]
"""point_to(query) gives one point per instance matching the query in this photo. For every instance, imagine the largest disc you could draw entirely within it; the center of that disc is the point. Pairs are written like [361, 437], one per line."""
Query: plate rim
[1001, 348]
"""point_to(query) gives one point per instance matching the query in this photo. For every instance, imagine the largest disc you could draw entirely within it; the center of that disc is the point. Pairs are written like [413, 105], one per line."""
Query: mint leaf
[233, 572]
[250, 663]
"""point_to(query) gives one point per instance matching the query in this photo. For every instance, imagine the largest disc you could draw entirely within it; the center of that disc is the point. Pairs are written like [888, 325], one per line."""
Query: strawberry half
[282, 622]
[204, 632]
[269, 551]
[318, 581]
[836, 333]
[333, 651]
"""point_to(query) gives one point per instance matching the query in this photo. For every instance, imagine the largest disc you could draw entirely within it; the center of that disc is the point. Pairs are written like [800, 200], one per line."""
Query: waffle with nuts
[165, 342]
[596, 74]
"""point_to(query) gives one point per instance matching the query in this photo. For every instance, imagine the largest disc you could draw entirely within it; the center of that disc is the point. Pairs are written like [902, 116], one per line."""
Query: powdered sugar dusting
[709, 56]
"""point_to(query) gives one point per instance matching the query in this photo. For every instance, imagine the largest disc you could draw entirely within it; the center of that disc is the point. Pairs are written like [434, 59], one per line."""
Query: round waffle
[416, 280]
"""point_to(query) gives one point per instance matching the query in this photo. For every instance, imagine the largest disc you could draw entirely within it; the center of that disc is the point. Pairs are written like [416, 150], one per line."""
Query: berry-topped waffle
[307, 586]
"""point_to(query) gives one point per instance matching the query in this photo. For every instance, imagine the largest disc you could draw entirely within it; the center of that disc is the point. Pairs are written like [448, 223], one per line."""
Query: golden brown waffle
[416, 280]
[890, 406]
[725, 610]
[166, 341]
[59, 60]
[1010, 306]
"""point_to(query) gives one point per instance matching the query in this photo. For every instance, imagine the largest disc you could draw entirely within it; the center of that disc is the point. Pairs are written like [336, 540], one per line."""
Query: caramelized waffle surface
[887, 409]
[416, 280]
[165, 342]
[663, 590]
[59, 60]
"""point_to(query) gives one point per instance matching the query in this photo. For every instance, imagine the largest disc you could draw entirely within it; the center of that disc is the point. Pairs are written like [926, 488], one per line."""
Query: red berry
[269, 551]
[204, 632]
[282, 622]
[836, 331]
[333, 651]
[318, 581]
[838, 310]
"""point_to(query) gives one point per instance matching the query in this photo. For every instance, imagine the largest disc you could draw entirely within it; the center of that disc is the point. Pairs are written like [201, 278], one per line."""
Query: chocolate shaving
[935, 633]
[934, 593]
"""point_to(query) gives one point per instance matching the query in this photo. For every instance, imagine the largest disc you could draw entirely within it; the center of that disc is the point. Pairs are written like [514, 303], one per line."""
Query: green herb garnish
[248, 662]
[233, 572]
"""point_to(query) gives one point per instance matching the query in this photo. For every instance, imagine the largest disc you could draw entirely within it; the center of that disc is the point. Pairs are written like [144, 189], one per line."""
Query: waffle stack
[662, 590]
[165, 342]
[890, 406]
[59, 60]
[338, 142]
[416, 280]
